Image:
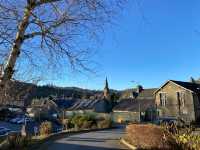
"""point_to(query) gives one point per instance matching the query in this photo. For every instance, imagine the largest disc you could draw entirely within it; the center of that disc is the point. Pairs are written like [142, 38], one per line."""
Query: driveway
[98, 140]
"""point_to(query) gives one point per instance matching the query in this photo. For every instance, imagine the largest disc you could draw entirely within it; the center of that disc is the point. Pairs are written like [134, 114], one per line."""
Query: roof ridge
[184, 82]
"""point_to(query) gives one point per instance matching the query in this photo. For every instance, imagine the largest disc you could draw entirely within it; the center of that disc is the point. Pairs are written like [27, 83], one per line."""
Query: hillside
[21, 93]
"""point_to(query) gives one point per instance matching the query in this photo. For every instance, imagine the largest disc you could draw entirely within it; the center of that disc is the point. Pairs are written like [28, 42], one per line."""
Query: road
[98, 140]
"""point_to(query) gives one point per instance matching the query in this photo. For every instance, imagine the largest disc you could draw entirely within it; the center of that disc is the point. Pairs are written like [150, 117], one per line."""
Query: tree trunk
[15, 50]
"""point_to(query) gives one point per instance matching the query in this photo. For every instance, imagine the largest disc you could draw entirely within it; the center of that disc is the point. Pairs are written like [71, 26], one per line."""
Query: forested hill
[20, 91]
[24, 92]
[75, 92]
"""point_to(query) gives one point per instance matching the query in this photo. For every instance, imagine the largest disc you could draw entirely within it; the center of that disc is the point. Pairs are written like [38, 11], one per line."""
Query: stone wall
[120, 117]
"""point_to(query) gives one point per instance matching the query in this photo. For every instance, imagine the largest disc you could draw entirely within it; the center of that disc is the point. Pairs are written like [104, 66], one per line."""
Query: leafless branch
[51, 30]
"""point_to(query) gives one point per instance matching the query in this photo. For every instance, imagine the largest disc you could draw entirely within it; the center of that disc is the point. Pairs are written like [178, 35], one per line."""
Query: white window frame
[163, 100]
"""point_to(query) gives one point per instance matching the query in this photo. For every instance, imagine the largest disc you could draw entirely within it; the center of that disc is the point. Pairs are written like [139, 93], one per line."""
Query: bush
[82, 121]
[188, 142]
[106, 123]
[70, 125]
[76, 121]
[46, 128]
[87, 124]
[17, 141]
[148, 137]
[162, 138]
[87, 121]
[185, 139]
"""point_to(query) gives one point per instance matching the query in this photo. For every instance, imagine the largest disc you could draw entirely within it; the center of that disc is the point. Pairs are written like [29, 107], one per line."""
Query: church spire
[106, 90]
[106, 83]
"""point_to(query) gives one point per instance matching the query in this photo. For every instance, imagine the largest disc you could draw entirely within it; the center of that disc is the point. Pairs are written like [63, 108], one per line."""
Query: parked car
[170, 121]
[4, 131]
[57, 129]
[8, 119]
[23, 120]
[14, 120]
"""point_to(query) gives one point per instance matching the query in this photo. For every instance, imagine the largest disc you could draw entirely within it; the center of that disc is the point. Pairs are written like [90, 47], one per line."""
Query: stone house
[132, 110]
[43, 109]
[179, 100]
[49, 108]
[97, 106]
[136, 109]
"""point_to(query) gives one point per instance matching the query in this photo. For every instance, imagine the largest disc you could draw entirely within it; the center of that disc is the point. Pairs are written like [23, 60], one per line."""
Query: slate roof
[188, 85]
[194, 87]
[60, 103]
[83, 104]
[147, 93]
[65, 103]
[133, 105]
[98, 105]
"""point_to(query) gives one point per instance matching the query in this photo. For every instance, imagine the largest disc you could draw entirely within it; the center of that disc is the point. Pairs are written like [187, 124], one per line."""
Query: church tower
[106, 92]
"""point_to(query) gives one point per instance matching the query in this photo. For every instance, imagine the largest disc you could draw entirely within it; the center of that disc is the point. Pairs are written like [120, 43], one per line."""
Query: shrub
[106, 123]
[82, 121]
[70, 124]
[161, 138]
[46, 128]
[94, 126]
[76, 121]
[188, 141]
[87, 124]
[148, 137]
[17, 141]
[185, 139]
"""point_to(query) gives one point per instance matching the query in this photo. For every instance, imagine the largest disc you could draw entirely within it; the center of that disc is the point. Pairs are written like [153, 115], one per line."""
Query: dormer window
[163, 98]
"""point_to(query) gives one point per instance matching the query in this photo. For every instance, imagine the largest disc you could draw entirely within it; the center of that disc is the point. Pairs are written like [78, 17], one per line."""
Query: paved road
[98, 140]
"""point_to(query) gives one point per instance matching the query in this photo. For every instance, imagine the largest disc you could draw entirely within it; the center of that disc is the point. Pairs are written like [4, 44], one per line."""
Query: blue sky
[153, 41]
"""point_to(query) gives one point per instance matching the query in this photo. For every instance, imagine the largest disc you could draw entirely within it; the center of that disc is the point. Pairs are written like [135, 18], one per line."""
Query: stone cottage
[132, 110]
[89, 107]
[43, 109]
[135, 109]
[102, 105]
[179, 100]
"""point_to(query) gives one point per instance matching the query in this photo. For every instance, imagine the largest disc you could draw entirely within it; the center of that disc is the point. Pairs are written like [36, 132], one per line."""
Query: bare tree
[50, 31]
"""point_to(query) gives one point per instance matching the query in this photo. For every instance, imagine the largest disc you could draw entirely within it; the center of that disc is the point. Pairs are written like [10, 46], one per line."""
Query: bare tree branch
[52, 30]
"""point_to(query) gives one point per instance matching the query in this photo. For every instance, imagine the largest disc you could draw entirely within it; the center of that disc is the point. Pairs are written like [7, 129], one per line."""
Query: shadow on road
[96, 140]
[82, 147]
[89, 139]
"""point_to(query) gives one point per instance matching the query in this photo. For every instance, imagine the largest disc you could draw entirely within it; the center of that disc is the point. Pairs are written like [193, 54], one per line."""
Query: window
[163, 99]
[181, 98]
